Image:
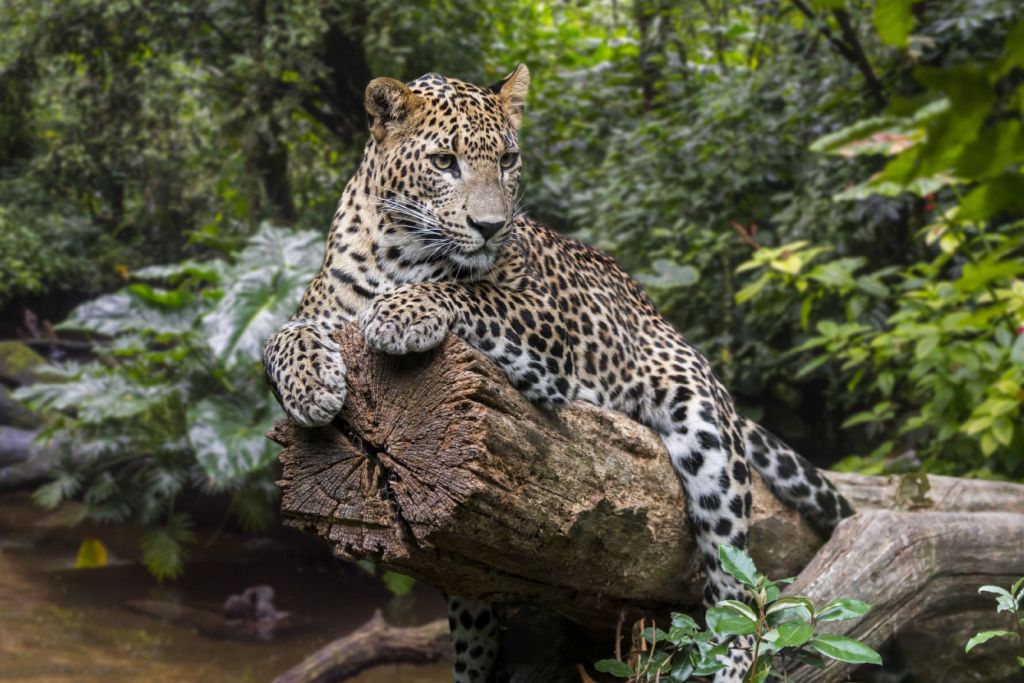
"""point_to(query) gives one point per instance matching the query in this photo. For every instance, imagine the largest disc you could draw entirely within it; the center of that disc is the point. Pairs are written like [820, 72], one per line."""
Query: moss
[18, 362]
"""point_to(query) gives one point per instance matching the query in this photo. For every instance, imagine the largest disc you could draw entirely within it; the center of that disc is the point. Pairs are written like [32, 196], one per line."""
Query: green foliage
[675, 135]
[176, 397]
[894, 20]
[678, 136]
[935, 347]
[783, 630]
[1011, 601]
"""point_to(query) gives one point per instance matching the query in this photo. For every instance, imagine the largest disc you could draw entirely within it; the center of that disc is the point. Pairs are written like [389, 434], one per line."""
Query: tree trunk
[439, 469]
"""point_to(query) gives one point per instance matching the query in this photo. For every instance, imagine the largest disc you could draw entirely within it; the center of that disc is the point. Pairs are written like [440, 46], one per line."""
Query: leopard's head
[446, 166]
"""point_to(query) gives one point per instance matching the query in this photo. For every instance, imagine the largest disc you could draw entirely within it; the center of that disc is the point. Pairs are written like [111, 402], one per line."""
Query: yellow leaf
[949, 243]
[788, 263]
[92, 554]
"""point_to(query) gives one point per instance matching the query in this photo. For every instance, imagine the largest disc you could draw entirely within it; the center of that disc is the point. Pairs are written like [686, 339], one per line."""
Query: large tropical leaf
[126, 311]
[94, 394]
[262, 292]
[226, 433]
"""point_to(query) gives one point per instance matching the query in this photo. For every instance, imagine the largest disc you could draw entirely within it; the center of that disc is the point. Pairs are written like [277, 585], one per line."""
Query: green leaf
[792, 634]
[227, 435]
[709, 664]
[115, 314]
[1002, 194]
[799, 607]
[670, 274]
[162, 298]
[996, 590]
[398, 584]
[265, 289]
[753, 289]
[738, 565]
[985, 636]
[810, 659]
[859, 418]
[725, 621]
[96, 394]
[1013, 50]
[162, 550]
[925, 346]
[845, 649]
[893, 20]
[842, 610]
[654, 635]
[834, 143]
[684, 621]
[739, 608]
[211, 271]
[615, 668]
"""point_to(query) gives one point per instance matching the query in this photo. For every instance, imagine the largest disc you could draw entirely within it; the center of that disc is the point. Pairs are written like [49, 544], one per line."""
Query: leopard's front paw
[321, 393]
[307, 373]
[399, 326]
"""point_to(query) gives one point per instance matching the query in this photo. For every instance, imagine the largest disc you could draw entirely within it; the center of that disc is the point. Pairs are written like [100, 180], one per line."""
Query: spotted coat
[427, 240]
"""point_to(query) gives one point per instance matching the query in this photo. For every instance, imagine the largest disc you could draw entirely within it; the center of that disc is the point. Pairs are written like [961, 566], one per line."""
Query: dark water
[58, 623]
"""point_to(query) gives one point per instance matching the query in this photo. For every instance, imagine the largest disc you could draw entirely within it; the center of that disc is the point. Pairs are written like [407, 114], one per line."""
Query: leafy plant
[176, 397]
[935, 348]
[779, 630]
[1007, 601]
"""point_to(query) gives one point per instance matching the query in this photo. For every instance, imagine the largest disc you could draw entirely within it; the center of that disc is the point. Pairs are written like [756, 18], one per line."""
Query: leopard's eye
[509, 159]
[444, 162]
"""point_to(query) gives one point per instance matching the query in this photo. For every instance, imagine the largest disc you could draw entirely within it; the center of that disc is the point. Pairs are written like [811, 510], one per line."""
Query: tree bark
[439, 469]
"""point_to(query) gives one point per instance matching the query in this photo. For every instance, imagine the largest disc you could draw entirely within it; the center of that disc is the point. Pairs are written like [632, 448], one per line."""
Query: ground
[59, 624]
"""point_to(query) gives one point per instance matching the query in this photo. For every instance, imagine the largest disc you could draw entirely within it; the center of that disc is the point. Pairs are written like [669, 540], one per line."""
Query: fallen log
[439, 469]
[921, 572]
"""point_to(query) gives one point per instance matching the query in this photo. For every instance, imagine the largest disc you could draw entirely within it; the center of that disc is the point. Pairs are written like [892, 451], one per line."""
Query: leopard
[429, 239]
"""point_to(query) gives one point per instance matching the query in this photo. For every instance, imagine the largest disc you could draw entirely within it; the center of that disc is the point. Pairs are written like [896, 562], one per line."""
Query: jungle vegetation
[826, 196]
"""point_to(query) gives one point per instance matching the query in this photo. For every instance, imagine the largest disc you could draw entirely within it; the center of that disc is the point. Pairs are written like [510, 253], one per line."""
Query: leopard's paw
[398, 327]
[320, 403]
[308, 376]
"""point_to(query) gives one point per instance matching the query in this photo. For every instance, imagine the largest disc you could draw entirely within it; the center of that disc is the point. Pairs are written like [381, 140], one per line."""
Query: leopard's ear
[512, 90]
[389, 105]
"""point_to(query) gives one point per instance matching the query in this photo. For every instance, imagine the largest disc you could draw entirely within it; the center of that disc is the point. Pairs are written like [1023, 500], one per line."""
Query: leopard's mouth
[480, 259]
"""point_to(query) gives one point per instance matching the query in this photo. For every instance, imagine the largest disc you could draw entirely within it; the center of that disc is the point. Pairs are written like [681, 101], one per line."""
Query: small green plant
[1006, 601]
[776, 627]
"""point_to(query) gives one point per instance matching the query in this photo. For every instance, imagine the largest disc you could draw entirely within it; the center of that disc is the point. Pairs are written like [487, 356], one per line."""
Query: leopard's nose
[487, 229]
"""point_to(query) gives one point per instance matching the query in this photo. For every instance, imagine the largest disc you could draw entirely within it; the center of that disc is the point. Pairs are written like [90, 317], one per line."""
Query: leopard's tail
[793, 479]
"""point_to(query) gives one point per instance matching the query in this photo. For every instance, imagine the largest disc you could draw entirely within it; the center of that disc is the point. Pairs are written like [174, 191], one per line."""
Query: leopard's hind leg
[475, 639]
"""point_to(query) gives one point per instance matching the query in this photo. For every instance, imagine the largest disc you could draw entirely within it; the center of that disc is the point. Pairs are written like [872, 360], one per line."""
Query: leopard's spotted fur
[426, 241]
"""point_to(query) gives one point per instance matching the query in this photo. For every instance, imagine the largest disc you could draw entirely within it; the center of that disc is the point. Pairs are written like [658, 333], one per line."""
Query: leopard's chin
[478, 261]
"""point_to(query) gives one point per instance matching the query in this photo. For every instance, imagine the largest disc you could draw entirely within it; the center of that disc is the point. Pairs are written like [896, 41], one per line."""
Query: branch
[372, 644]
[860, 59]
[849, 48]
